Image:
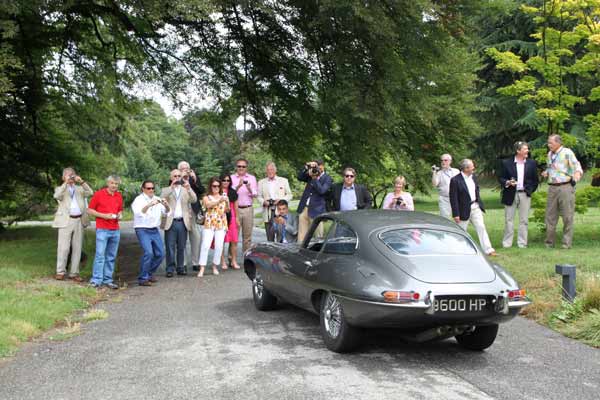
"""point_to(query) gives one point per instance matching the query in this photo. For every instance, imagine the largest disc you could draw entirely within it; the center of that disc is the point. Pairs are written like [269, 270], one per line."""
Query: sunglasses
[176, 176]
[226, 180]
[349, 176]
[149, 188]
[242, 166]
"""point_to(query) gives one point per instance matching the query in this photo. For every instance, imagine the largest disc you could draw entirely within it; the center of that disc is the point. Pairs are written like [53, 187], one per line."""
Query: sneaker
[184, 272]
[111, 286]
[94, 285]
[566, 246]
[76, 278]
[145, 283]
[169, 275]
[153, 279]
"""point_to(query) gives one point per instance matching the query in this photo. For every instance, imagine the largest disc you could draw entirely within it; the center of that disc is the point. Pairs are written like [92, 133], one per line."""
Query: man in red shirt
[107, 206]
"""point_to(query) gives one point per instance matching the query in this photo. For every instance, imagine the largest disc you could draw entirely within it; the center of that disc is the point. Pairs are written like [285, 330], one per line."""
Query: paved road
[202, 338]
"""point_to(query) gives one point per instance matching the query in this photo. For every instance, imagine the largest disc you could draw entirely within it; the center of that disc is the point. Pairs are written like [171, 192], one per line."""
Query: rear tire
[480, 339]
[337, 334]
[263, 299]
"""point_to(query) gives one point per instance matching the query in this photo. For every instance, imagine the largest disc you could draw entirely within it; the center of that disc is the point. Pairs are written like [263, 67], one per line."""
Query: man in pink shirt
[247, 189]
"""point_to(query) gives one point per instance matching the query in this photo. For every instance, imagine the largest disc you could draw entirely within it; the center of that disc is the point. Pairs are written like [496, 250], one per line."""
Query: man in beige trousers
[270, 190]
[70, 219]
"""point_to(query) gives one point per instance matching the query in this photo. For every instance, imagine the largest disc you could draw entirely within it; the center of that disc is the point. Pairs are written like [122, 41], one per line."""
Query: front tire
[480, 339]
[263, 299]
[337, 334]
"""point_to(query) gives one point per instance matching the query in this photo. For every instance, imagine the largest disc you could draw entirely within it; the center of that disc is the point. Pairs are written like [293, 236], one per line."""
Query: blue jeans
[175, 239]
[152, 245]
[107, 244]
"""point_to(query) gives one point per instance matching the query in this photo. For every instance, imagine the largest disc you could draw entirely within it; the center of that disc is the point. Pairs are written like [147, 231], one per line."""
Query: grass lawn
[534, 268]
[30, 305]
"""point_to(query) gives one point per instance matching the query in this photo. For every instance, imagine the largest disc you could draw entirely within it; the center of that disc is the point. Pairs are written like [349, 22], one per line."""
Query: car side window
[317, 239]
[341, 240]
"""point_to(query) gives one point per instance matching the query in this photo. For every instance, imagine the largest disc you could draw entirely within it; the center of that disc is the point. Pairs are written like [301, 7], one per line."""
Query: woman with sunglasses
[232, 222]
[399, 199]
[215, 224]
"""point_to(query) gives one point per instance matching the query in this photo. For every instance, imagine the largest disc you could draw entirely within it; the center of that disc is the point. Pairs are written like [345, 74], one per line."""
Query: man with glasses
[350, 195]
[518, 179]
[148, 210]
[179, 196]
[270, 190]
[188, 174]
[440, 179]
[247, 189]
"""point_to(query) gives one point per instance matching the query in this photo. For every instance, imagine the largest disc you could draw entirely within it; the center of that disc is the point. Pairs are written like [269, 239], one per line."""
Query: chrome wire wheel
[258, 287]
[332, 316]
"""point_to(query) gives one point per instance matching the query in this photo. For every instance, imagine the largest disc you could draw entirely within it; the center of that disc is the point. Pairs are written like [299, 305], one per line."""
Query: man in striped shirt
[563, 171]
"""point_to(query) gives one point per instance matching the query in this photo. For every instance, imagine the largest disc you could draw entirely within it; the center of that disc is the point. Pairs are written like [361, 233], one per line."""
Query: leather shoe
[76, 278]
[493, 254]
[169, 275]
[145, 283]
[59, 277]
[111, 286]
[153, 279]
[184, 272]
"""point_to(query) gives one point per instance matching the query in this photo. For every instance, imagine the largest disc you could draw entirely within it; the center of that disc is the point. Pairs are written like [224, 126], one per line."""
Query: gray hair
[556, 138]
[271, 163]
[114, 178]
[71, 169]
[464, 163]
[446, 155]
[181, 163]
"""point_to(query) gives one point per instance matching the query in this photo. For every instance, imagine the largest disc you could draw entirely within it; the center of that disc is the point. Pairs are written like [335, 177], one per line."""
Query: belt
[560, 183]
[474, 201]
[75, 216]
[177, 219]
[244, 206]
[521, 191]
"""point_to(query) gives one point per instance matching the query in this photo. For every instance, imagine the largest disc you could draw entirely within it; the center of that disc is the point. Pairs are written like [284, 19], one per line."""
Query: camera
[245, 182]
[179, 182]
[271, 203]
[314, 170]
[399, 202]
[435, 168]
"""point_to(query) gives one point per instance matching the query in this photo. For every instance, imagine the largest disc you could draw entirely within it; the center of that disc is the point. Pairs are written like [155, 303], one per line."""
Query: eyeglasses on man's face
[349, 176]
[149, 188]
[242, 166]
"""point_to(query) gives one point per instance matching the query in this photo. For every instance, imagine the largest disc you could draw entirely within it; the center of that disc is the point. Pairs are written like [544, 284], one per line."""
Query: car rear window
[417, 241]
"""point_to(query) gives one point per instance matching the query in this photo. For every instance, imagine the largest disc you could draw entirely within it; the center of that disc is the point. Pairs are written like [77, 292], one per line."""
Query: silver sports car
[413, 271]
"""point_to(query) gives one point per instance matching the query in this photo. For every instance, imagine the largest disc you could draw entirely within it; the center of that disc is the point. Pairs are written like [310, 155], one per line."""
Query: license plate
[460, 304]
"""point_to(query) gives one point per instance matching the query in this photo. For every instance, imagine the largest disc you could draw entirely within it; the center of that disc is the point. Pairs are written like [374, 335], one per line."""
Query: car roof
[366, 221]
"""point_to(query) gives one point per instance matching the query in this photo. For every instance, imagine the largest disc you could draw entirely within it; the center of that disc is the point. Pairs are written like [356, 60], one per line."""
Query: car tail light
[392, 296]
[514, 295]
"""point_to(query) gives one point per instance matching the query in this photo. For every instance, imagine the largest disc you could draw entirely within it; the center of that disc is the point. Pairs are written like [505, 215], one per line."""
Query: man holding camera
[188, 175]
[563, 172]
[518, 179]
[179, 197]
[467, 205]
[350, 195]
[148, 211]
[107, 206]
[270, 190]
[284, 226]
[247, 189]
[70, 219]
[313, 200]
[440, 179]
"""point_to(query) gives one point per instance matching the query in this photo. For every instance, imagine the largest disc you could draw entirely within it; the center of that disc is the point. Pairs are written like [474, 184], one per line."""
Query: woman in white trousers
[215, 224]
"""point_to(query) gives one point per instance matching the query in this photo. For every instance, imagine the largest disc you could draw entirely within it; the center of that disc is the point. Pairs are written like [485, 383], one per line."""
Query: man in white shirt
[70, 219]
[148, 210]
[440, 179]
[467, 204]
[270, 190]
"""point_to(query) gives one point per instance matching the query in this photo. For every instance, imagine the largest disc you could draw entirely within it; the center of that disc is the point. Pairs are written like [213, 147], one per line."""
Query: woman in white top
[399, 199]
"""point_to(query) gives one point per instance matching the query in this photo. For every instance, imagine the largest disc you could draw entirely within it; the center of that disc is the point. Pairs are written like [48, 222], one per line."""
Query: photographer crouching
[270, 190]
[313, 200]
[283, 226]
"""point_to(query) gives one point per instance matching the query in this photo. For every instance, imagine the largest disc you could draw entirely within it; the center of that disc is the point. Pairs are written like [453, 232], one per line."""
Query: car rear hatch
[434, 255]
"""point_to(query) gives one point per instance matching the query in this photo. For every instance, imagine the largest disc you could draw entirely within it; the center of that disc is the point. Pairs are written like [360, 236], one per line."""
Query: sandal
[201, 273]
[215, 271]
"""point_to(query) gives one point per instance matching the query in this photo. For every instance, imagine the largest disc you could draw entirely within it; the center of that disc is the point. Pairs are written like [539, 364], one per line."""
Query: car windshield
[418, 241]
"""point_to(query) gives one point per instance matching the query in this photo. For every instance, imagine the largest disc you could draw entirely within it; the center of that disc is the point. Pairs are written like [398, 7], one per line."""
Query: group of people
[225, 208]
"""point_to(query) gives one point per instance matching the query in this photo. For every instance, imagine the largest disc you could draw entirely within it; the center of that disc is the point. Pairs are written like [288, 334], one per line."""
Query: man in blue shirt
[350, 195]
